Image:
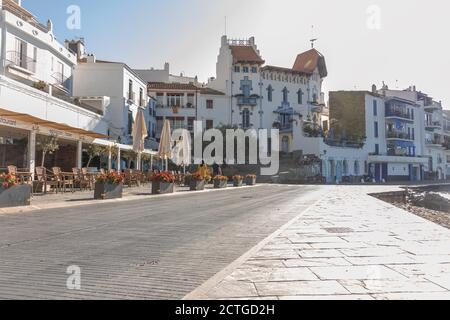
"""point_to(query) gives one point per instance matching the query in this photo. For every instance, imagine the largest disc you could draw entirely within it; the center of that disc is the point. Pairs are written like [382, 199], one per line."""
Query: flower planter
[15, 196]
[105, 191]
[196, 185]
[219, 184]
[237, 183]
[250, 181]
[162, 187]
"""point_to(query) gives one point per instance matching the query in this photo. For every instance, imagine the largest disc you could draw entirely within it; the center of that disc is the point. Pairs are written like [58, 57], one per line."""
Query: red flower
[164, 177]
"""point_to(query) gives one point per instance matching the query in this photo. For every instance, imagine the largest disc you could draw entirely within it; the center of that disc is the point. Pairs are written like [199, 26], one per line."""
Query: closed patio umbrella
[139, 132]
[165, 143]
[181, 154]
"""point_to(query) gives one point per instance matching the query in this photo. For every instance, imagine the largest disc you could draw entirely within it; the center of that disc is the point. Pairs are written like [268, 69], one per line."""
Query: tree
[95, 151]
[129, 156]
[47, 145]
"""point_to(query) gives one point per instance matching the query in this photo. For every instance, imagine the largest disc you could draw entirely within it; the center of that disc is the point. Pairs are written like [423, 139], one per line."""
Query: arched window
[269, 93]
[300, 96]
[246, 118]
[285, 95]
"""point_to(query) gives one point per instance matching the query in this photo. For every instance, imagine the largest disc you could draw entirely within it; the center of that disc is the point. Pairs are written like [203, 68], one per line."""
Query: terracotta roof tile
[245, 54]
[210, 91]
[308, 61]
[172, 86]
[280, 69]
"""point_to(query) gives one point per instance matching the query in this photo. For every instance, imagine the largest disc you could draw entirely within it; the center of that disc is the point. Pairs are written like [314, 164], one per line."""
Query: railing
[131, 97]
[142, 103]
[397, 152]
[343, 143]
[19, 60]
[433, 124]
[61, 80]
[12, 8]
[243, 101]
[399, 114]
[398, 135]
[435, 141]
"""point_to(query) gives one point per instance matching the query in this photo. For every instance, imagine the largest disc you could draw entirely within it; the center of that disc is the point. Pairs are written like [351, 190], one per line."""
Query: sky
[401, 42]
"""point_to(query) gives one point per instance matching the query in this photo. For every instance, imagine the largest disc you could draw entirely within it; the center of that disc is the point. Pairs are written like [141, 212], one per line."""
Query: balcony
[396, 135]
[247, 101]
[397, 114]
[433, 125]
[131, 97]
[434, 142]
[21, 62]
[61, 82]
[434, 106]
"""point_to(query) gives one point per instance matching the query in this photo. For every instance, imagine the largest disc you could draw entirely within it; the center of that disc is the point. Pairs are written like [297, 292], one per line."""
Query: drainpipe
[260, 102]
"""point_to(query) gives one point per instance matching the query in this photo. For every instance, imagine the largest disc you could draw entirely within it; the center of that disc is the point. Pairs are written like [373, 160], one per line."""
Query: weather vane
[312, 37]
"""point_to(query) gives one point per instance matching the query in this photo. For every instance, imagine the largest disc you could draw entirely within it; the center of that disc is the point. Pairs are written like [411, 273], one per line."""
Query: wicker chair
[43, 179]
[65, 179]
[131, 178]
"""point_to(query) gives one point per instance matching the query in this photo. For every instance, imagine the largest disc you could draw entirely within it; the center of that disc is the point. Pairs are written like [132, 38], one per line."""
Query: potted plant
[163, 183]
[220, 182]
[250, 179]
[12, 194]
[237, 180]
[197, 182]
[108, 186]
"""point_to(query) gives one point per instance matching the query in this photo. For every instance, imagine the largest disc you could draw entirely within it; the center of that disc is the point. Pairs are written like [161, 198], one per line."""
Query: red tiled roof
[209, 91]
[160, 86]
[171, 86]
[308, 61]
[245, 54]
[280, 69]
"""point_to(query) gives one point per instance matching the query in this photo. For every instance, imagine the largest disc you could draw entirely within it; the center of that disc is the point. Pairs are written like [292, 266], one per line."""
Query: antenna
[225, 25]
[313, 39]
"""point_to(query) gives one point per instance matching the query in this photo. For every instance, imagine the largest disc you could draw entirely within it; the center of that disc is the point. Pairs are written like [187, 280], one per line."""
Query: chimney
[374, 88]
[166, 66]
[91, 58]
[49, 25]
[224, 41]
[252, 41]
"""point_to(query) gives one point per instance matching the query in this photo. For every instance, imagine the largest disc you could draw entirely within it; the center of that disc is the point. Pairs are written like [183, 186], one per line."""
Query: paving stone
[296, 288]
[373, 272]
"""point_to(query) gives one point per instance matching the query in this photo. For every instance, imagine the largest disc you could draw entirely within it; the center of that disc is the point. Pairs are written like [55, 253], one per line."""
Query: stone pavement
[348, 245]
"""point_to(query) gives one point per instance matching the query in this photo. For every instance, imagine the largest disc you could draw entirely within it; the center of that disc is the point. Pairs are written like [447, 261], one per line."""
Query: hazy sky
[409, 45]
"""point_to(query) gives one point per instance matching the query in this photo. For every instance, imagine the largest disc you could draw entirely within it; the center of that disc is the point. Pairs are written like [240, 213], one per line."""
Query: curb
[59, 205]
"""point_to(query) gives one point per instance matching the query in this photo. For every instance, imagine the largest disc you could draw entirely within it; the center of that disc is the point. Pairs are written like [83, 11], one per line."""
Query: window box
[106, 191]
[162, 187]
[15, 196]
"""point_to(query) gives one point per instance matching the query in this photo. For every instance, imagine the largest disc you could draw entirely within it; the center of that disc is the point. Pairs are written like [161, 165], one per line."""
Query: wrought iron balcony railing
[19, 60]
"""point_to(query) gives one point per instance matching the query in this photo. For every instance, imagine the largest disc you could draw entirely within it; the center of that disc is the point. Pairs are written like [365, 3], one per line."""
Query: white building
[36, 93]
[127, 93]
[429, 128]
[264, 96]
